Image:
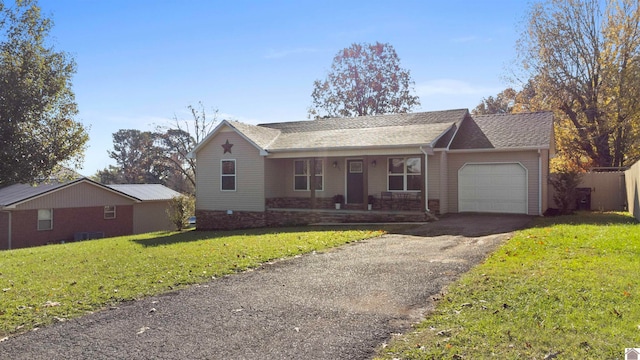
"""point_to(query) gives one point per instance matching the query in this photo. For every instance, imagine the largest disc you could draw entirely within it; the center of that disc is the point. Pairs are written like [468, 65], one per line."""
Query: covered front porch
[385, 184]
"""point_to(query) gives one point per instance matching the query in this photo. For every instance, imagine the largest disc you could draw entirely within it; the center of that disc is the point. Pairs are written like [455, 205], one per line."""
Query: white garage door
[495, 188]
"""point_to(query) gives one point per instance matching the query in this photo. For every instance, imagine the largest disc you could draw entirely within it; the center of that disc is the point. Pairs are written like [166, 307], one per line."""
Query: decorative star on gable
[227, 147]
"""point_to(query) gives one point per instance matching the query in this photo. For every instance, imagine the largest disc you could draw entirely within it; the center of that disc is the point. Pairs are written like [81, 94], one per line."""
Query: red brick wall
[4, 221]
[220, 220]
[66, 222]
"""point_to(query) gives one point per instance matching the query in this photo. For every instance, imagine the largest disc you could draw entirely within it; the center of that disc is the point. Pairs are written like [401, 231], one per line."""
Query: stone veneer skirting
[221, 220]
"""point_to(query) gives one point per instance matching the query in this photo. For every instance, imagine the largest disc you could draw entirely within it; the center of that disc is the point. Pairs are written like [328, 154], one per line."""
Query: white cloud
[278, 54]
[453, 87]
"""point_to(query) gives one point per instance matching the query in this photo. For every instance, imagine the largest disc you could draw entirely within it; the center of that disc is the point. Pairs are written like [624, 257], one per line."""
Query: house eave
[349, 151]
[504, 149]
[14, 204]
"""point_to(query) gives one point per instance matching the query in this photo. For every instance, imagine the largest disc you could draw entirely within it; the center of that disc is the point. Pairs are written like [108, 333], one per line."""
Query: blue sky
[140, 62]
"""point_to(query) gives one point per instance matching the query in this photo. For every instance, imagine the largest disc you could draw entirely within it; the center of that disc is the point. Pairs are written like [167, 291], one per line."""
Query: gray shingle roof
[503, 131]
[437, 128]
[146, 192]
[364, 131]
[364, 137]
[261, 136]
[374, 121]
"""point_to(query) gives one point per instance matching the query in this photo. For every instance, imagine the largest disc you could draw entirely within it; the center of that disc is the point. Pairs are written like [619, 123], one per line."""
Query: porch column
[365, 182]
[312, 181]
[424, 190]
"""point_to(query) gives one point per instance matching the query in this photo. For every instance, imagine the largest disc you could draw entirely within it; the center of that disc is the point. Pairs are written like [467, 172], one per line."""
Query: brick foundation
[327, 203]
[220, 220]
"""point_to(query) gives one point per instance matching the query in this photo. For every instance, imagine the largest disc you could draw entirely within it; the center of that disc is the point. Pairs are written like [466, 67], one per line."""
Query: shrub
[565, 183]
[180, 208]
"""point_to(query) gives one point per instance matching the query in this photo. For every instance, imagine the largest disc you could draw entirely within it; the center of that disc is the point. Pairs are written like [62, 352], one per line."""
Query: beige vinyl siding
[151, 216]
[275, 171]
[433, 162]
[632, 184]
[529, 159]
[81, 194]
[443, 175]
[250, 184]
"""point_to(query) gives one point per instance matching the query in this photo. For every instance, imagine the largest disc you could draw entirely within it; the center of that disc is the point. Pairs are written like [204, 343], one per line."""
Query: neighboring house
[79, 209]
[412, 164]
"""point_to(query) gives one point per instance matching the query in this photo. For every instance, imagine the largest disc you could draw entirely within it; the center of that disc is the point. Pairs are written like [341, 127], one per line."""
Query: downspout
[426, 179]
[539, 183]
[8, 230]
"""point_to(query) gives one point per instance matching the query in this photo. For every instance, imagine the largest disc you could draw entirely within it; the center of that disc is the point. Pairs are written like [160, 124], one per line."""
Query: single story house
[79, 209]
[408, 165]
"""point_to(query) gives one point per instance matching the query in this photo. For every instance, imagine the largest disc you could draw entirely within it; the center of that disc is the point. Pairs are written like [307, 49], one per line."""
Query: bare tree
[180, 137]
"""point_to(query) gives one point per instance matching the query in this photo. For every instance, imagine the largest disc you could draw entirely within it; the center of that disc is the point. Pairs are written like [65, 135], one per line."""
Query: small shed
[150, 214]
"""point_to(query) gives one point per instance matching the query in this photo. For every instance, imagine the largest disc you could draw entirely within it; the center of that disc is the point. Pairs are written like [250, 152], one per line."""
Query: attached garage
[493, 188]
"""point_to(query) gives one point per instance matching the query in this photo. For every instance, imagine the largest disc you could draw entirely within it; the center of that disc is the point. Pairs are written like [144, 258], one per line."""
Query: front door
[355, 180]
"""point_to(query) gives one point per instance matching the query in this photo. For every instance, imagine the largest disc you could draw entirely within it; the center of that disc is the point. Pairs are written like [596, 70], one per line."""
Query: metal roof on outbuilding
[146, 192]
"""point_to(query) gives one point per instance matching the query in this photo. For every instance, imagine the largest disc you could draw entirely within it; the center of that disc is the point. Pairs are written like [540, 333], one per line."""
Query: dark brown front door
[355, 180]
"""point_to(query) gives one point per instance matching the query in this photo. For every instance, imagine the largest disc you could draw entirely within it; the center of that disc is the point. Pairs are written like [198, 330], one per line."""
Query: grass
[567, 287]
[52, 283]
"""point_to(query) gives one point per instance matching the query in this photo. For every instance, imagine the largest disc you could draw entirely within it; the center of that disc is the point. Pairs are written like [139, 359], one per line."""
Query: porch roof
[393, 130]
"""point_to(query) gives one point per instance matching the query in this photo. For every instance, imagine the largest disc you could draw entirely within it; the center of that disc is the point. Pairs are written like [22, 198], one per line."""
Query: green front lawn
[569, 287]
[52, 283]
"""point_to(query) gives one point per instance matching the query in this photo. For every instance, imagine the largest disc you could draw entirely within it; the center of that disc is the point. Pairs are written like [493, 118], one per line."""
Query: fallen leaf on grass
[51, 303]
[552, 355]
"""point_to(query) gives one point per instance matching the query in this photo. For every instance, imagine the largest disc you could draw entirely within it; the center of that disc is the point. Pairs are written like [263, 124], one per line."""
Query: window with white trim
[45, 219]
[302, 175]
[404, 174]
[228, 175]
[110, 212]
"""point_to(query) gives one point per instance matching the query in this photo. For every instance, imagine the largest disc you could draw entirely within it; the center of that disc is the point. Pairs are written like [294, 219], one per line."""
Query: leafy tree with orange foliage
[365, 79]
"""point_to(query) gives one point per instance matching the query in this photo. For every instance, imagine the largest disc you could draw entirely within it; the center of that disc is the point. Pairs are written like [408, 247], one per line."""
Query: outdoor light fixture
[374, 163]
[335, 164]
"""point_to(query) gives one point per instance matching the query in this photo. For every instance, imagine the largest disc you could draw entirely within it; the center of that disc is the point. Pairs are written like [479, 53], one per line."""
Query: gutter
[426, 175]
[521, 148]
[539, 182]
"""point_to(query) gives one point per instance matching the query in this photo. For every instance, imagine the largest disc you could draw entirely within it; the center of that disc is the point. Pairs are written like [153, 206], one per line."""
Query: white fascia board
[348, 151]
[521, 148]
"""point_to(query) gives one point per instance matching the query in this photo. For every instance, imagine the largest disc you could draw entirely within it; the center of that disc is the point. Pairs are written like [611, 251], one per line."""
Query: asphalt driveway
[339, 304]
